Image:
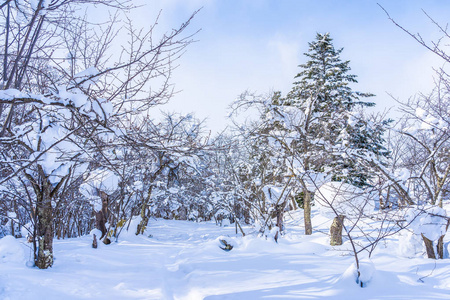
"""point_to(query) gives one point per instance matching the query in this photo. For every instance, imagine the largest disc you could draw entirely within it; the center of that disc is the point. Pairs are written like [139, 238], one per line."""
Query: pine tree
[324, 95]
[323, 92]
[324, 79]
[317, 129]
[362, 138]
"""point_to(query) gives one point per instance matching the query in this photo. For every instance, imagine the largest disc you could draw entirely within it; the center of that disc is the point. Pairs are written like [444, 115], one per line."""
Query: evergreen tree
[323, 136]
[324, 79]
[362, 139]
[317, 129]
[322, 91]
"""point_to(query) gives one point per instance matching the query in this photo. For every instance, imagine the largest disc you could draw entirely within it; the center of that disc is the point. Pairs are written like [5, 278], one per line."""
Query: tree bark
[307, 211]
[440, 244]
[144, 219]
[440, 247]
[45, 230]
[336, 231]
[101, 216]
[280, 212]
[94, 242]
[429, 247]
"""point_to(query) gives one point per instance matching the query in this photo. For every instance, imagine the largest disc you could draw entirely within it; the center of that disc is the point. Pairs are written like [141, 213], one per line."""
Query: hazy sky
[257, 45]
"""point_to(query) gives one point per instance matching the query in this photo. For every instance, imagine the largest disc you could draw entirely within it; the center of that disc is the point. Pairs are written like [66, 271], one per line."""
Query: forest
[83, 159]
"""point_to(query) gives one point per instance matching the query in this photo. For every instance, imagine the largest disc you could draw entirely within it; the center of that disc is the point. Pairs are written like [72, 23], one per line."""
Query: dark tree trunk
[101, 217]
[280, 212]
[94, 242]
[336, 231]
[440, 247]
[45, 230]
[100, 223]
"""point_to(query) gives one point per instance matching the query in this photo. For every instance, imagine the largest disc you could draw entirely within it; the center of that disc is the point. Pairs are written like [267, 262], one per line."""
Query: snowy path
[183, 261]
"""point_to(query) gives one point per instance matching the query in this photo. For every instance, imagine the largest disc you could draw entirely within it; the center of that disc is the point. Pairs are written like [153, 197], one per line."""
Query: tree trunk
[94, 242]
[13, 233]
[307, 211]
[43, 228]
[440, 247]
[44, 225]
[280, 212]
[440, 244]
[429, 247]
[144, 219]
[101, 216]
[336, 231]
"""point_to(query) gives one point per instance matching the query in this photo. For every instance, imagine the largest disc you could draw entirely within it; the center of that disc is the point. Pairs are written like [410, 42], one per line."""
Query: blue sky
[257, 45]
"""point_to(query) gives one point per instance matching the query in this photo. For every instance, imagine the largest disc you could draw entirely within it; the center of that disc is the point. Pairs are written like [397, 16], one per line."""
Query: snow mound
[253, 244]
[247, 244]
[11, 250]
[410, 244]
[97, 233]
[366, 273]
[430, 221]
[130, 228]
[343, 199]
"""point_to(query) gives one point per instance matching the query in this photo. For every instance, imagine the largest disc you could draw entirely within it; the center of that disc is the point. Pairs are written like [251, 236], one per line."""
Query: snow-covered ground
[182, 260]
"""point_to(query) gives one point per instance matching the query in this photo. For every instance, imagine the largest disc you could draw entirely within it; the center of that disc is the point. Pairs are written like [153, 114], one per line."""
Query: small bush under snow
[366, 273]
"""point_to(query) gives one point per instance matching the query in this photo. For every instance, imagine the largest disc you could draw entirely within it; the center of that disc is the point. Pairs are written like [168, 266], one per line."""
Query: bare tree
[55, 116]
[426, 127]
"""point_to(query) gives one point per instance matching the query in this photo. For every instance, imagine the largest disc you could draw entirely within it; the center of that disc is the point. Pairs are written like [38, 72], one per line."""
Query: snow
[343, 199]
[429, 221]
[99, 180]
[421, 113]
[34, 4]
[402, 174]
[11, 251]
[12, 94]
[102, 108]
[95, 232]
[173, 190]
[182, 260]
[275, 194]
[87, 77]
[410, 244]
[366, 271]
